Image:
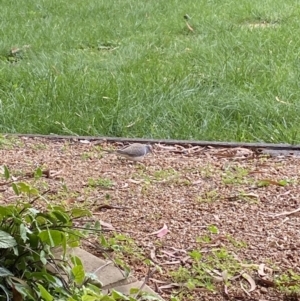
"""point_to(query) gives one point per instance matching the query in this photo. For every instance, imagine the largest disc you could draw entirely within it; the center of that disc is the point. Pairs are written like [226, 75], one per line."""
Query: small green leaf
[57, 208]
[15, 189]
[97, 225]
[43, 257]
[76, 260]
[33, 240]
[6, 240]
[6, 173]
[65, 187]
[90, 298]
[263, 183]
[107, 298]
[213, 229]
[73, 244]
[77, 212]
[92, 278]
[23, 232]
[196, 255]
[33, 191]
[23, 187]
[118, 296]
[27, 189]
[52, 237]
[38, 173]
[283, 182]
[62, 217]
[78, 274]
[103, 241]
[95, 289]
[44, 294]
[134, 290]
[127, 271]
[16, 250]
[6, 211]
[34, 211]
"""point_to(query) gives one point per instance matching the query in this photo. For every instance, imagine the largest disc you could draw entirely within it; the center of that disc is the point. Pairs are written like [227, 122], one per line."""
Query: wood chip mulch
[179, 199]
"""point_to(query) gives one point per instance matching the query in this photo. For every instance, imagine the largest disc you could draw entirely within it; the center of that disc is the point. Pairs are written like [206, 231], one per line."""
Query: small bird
[134, 152]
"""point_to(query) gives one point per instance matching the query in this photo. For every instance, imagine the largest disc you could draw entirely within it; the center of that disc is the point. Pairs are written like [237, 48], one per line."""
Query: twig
[102, 267]
[97, 270]
[6, 183]
[105, 206]
[105, 251]
[285, 213]
[149, 275]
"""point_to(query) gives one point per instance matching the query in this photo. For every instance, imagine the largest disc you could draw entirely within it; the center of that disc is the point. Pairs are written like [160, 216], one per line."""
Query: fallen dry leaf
[161, 232]
[215, 278]
[171, 262]
[153, 254]
[251, 282]
[84, 141]
[169, 286]
[107, 226]
[260, 270]
[189, 27]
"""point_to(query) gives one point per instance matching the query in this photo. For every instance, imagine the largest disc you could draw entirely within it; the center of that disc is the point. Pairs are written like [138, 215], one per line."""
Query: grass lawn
[136, 68]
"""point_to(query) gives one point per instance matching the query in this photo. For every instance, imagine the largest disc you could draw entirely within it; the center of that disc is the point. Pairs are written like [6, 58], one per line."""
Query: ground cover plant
[198, 223]
[30, 231]
[205, 70]
[32, 234]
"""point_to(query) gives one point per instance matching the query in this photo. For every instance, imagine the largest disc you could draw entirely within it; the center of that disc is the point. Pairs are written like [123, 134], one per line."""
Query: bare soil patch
[235, 208]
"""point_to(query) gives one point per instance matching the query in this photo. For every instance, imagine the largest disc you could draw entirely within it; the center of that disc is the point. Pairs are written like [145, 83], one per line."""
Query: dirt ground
[237, 209]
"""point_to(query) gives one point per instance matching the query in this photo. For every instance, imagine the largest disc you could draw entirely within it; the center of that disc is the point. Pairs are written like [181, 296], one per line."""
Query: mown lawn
[135, 68]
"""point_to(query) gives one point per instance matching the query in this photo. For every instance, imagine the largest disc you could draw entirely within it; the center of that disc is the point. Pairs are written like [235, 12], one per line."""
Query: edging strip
[287, 147]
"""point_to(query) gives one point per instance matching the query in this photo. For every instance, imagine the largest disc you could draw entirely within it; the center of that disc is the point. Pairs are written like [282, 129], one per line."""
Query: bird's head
[149, 148]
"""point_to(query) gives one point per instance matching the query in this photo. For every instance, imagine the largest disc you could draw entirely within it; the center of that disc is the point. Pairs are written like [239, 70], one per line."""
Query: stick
[149, 275]
[285, 213]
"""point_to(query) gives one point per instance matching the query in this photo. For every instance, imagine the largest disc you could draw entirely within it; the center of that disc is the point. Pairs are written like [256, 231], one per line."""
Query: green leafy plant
[206, 268]
[289, 282]
[27, 238]
[31, 232]
[235, 175]
[35, 240]
[100, 182]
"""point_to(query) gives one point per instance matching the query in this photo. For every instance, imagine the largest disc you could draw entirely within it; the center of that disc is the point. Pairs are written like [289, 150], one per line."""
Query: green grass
[133, 68]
